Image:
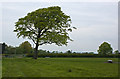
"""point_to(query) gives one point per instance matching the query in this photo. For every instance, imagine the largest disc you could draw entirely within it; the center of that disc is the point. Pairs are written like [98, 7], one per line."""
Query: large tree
[105, 49]
[45, 26]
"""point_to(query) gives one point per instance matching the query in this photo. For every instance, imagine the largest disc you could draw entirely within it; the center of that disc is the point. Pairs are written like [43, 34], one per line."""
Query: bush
[72, 55]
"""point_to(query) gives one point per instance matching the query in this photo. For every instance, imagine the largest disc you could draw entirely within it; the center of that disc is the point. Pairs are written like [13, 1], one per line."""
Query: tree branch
[45, 43]
[32, 39]
[43, 32]
[32, 30]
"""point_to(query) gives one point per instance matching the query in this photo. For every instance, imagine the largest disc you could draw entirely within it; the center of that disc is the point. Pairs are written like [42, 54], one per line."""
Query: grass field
[59, 67]
[0, 68]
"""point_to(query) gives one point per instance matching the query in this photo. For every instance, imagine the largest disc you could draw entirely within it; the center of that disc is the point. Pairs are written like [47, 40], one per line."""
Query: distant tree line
[23, 48]
[72, 55]
[105, 50]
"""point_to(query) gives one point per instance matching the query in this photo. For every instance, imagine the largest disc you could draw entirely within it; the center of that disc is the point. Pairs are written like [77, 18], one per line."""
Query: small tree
[91, 52]
[25, 47]
[19, 50]
[105, 49]
[10, 50]
[45, 26]
[116, 52]
[69, 51]
[3, 47]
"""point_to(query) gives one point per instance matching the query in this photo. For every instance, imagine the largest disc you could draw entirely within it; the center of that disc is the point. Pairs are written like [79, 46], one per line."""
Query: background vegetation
[25, 50]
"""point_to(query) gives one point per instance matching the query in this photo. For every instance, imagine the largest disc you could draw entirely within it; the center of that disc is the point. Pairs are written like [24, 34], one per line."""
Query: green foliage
[91, 52]
[45, 26]
[42, 51]
[105, 49]
[55, 52]
[10, 50]
[25, 47]
[116, 52]
[69, 51]
[4, 47]
[73, 55]
[19, 50]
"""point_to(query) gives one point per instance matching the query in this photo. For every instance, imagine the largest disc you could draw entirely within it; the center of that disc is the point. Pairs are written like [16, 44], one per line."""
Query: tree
[19, 50]
[45, 26]
[105, 49]
[116, 52]
[10, 50]
[91, 52]
[25, 47]
[3, 47]
[69, 51]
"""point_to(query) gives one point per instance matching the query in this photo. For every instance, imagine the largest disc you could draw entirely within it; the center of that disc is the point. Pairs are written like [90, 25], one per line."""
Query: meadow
[59, 67]
[0, 68]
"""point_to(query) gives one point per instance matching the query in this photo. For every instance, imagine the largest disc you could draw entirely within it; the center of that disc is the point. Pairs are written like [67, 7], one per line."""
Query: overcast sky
[96, 22]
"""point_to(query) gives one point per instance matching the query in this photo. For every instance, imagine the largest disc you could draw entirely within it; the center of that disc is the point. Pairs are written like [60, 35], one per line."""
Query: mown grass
[59, 67]
[0, 68]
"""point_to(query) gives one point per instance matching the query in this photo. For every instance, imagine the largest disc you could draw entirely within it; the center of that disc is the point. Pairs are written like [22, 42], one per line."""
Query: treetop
[45, 26]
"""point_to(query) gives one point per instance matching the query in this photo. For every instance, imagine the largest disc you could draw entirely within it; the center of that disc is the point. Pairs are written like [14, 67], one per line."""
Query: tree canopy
[3, 47]
[25, 47]
[116, 52]
[45, 26]
[105, 49]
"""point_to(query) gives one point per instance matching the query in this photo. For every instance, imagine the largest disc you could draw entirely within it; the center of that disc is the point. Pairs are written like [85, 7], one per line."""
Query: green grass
[59, 67]
[0, 68]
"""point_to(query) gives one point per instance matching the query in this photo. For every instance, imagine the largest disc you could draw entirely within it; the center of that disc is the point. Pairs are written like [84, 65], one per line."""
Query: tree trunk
[36, 52]
[36, 48]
